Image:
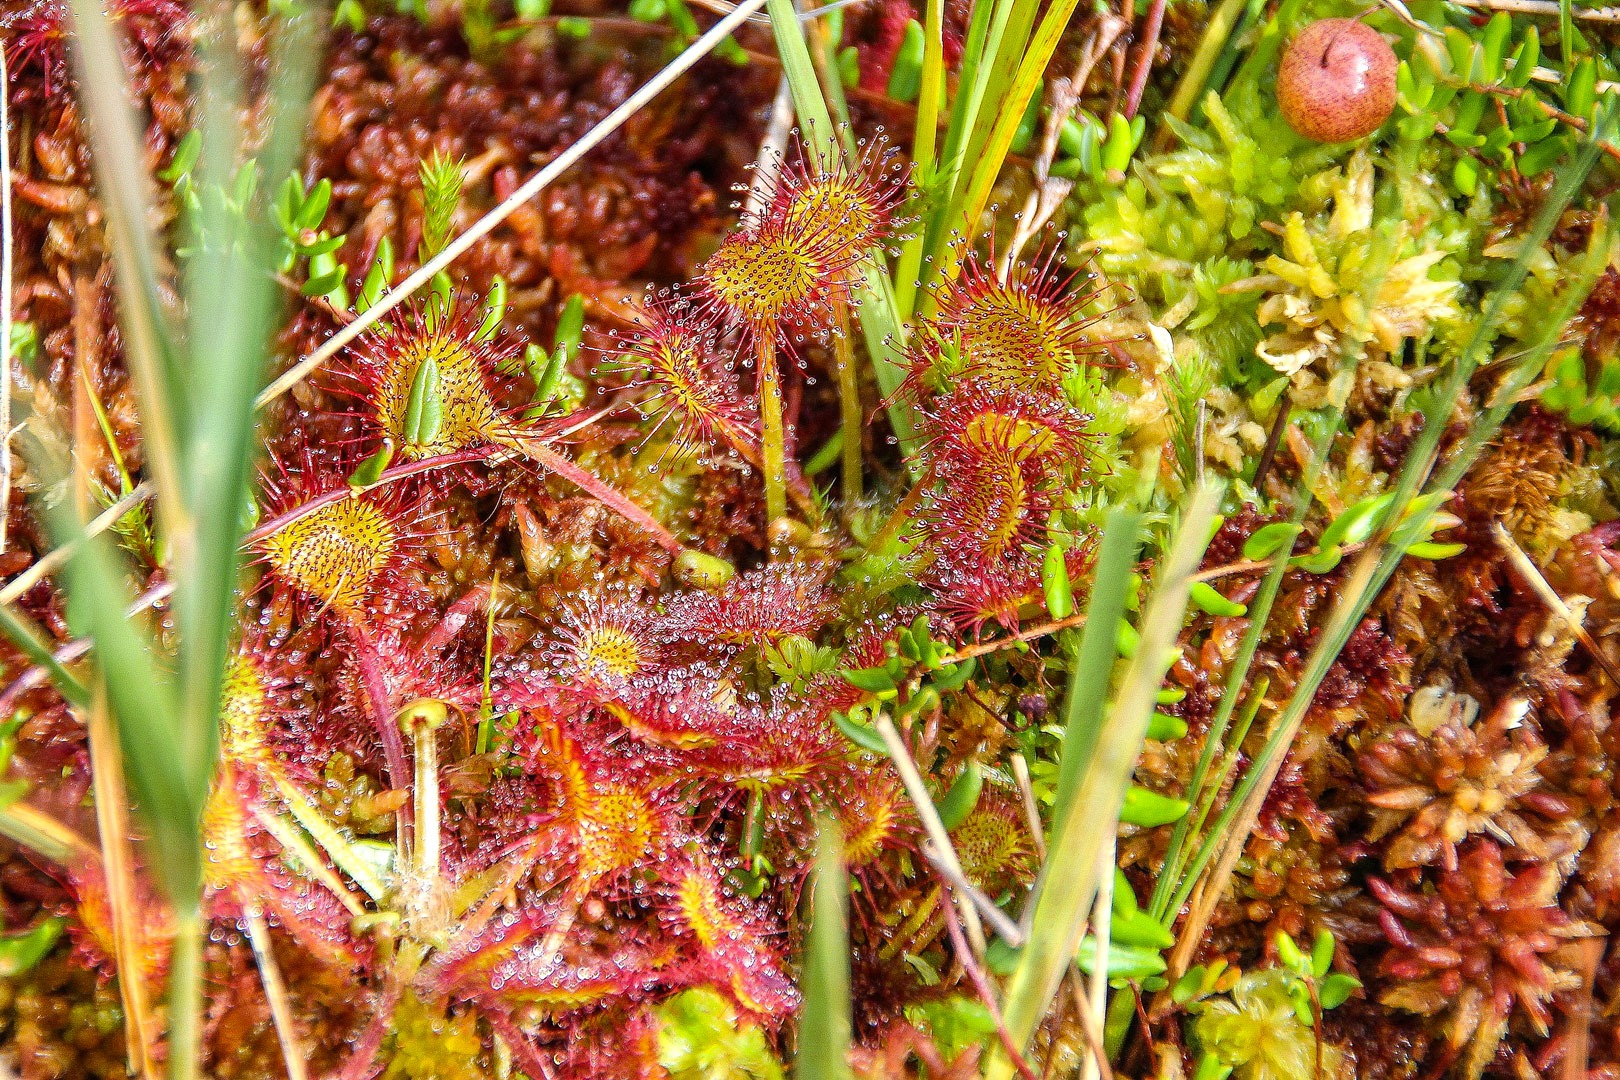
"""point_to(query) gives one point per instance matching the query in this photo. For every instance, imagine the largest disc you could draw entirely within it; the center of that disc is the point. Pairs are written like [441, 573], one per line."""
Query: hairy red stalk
[608, 495]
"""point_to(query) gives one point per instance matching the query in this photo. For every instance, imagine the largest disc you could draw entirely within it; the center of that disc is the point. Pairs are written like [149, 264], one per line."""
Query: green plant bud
[494, 309]
[1141, 931]
[1124, 961]
[849, 67]
[1322, 950]
[1124, 900]
[1429, 549]
[874, 680]
[954, 676]
[963, 796]
[1149, 809]
[1319, 562]
[922, 702]
[1121, 144]
[1127, 640]
[424, 408]
[379, 277]
[1335, 989]
[905, 78]
[859, 734]
[1164, 728]
[1288, 952]
[1055, 581]
[1356, 524]
[701, 570]
[570, 327]
[1208, 600]
[370, 471]
[184, 159]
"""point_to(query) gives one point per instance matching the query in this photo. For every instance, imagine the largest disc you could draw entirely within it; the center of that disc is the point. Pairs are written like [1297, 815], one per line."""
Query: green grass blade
[233, 301]
[809, 104]
[1011, 99]
[23, 634]
[1068, 882]
[926, 131]
[1093, 662]
[881, 325]
[142, 695]
[125, 193]
[825, 1020]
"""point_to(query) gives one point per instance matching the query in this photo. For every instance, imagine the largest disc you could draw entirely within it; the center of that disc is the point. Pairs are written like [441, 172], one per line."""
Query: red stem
[1144, 58]
[376, 684]
[608, 495]
[971, 965]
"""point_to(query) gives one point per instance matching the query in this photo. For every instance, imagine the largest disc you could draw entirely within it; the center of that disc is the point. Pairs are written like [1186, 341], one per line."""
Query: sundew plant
[879, 539]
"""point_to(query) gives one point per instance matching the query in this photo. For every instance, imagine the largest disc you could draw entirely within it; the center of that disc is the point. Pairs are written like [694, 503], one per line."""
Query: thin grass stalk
[826, 1018]
[773, 440]
[52, 560]
[928, 814]
[275, 992]
[849, 408]
[185, 999]
[1096, 1003]
[1092, 665]
[46, 836]
[22, 632]
[1206, 794]
[1069, 880]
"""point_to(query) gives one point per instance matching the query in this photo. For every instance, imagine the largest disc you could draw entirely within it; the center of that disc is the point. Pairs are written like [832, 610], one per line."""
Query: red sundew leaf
[755, 607]
[389, 364]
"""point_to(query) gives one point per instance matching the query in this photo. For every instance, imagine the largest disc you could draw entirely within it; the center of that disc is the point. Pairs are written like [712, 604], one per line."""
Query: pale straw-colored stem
[275, 992]
[772, 436]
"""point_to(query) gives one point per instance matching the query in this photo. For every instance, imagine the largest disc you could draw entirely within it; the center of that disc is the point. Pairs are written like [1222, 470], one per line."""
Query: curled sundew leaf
[1205, 597]
[1267, 540]
[1149, 809]
[424, 408]
[962, 797]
